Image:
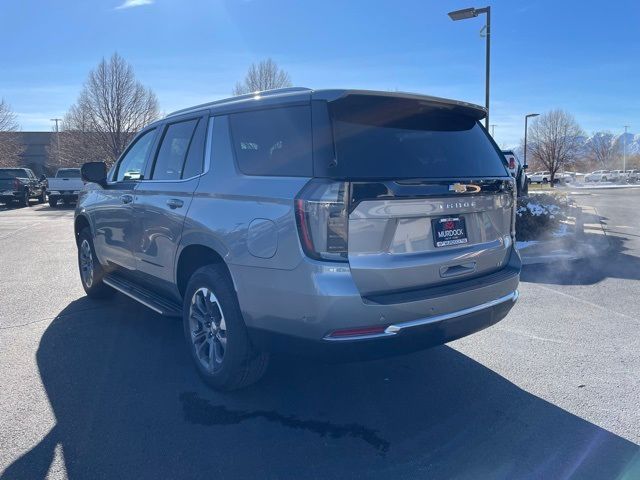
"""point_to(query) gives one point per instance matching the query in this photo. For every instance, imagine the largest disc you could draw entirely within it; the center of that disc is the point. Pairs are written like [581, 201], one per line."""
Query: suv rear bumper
[298, 309]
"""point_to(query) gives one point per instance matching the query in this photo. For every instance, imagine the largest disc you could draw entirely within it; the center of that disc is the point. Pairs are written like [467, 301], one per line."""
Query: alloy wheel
[208, 329]
[86, 263]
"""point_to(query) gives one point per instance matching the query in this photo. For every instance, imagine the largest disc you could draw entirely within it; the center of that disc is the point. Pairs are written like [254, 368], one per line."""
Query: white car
[540, 177]
[598, 176]
[618, 176]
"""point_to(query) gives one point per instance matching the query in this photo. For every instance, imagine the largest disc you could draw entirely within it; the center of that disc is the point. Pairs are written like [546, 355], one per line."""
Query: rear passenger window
[173, 151]
[273, 142]
[195, 157]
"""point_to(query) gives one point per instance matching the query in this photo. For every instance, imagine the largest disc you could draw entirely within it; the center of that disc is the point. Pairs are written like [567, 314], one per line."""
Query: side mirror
[94, 172]
[525, 166]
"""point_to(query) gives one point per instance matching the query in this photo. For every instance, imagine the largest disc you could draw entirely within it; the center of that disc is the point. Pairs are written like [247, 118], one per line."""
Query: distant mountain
[632, 140]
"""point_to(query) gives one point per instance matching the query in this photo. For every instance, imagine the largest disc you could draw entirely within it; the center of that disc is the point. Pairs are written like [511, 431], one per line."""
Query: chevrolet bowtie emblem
[462, 188]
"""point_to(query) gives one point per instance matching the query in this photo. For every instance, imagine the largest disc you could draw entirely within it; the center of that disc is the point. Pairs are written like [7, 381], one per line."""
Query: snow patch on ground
[537, 209]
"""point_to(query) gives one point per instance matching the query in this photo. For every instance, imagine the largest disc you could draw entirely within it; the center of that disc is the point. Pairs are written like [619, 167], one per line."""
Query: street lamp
[464, 14]
[57, 138]
[526, 118]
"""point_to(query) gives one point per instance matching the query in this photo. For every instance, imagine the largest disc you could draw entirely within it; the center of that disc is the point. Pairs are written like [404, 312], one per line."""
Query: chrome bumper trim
[394, 329]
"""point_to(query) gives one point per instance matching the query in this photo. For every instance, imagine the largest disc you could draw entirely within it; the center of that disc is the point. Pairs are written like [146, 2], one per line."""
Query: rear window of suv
[275, 141]
[387, 137]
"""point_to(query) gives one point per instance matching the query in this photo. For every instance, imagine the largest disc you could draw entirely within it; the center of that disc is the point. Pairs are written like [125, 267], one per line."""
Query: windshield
[13, 173]
[68, 173]
[389, 137]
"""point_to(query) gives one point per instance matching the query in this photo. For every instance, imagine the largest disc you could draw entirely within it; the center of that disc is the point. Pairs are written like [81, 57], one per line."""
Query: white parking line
[591, 304]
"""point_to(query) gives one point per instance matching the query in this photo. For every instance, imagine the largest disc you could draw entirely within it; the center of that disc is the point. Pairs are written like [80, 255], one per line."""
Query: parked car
[599, 176]
[65, 186]
[540, 177]
[21, 185]
[633, 176]
[517, 170]
[618, 176]
[340, 223]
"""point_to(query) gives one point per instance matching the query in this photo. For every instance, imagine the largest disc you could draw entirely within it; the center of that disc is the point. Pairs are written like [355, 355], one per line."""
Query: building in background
[36, 150]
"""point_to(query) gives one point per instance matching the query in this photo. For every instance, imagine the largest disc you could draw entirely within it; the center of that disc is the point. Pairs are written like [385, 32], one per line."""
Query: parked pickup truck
[65, 186]
[540, 177]
[21, 185]
[599, 176]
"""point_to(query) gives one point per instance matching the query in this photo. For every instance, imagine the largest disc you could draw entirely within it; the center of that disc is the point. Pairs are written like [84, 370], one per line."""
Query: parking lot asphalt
[105, 389]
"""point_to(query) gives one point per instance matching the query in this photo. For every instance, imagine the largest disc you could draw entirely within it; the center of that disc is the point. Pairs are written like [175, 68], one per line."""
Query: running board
[149, 299]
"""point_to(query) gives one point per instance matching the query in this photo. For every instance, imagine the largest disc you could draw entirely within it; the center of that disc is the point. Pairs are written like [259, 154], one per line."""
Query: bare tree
[77, 142]
[602, 149]
[10, 148]
[555, 140]
[112, 107]
[266, 75]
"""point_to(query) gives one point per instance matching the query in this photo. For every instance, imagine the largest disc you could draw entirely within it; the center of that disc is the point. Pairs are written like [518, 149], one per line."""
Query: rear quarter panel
[226, 203]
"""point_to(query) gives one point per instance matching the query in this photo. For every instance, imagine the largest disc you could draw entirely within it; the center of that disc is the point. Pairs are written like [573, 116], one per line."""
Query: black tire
[241, 364]
[53, 202]
[95, 288]
[43, 197]
[544, 180]
[24, 200]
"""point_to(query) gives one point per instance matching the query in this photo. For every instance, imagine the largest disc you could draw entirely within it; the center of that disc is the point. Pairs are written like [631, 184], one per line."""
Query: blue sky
[545, 54]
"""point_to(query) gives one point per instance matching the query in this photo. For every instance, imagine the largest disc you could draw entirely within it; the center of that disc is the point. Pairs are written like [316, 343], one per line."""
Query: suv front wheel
[91, 272]
[216, 334]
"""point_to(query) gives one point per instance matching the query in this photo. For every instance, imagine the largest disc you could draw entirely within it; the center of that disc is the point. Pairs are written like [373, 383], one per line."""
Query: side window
[173, 150]
[132, 164]
[276, 141]
[194, 165]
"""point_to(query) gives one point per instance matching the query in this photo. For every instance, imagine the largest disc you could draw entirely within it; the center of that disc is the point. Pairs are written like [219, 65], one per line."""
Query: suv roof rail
[263, 93]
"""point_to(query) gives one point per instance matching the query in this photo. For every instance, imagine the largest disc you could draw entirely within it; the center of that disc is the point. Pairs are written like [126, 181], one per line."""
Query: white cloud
[134, 3]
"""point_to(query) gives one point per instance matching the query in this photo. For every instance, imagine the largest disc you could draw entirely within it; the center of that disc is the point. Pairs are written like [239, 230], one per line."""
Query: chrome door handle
[126, 198]
[175, 203]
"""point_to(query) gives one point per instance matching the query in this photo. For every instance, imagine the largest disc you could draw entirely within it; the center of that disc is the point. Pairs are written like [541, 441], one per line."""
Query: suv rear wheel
[91, 272]
[216, 334]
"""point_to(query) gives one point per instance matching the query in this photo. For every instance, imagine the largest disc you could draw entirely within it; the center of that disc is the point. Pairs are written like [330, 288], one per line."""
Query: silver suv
[350, 224]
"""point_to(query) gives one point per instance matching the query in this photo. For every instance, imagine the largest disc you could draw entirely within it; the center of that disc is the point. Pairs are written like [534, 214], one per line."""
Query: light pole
[526, 119]
[57, 139]
[624, 149]
[472, 13]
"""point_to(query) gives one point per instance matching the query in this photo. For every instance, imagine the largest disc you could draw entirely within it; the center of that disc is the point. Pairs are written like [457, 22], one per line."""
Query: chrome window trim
[207, 159]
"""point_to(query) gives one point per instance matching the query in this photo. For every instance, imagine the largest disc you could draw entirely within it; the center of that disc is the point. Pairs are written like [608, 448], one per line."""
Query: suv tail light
[323, 219]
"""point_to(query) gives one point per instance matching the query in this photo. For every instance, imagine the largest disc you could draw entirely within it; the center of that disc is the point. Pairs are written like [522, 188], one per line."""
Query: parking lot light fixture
[465, 14]
[526, 118]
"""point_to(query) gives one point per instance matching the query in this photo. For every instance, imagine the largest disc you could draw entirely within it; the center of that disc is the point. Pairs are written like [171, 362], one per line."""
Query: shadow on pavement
[129, 404]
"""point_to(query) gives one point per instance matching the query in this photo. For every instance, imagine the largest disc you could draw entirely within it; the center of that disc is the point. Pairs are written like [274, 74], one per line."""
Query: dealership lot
[105, 389]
